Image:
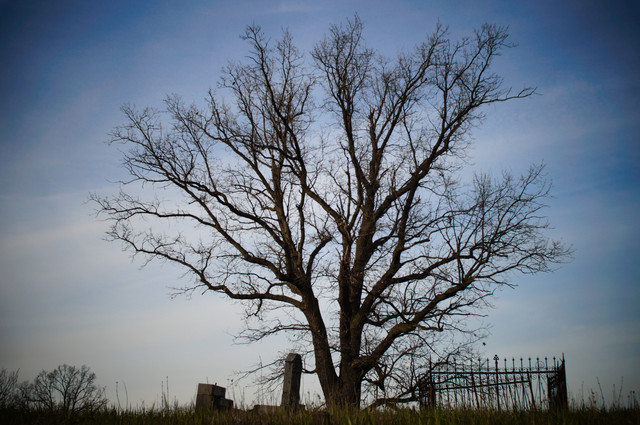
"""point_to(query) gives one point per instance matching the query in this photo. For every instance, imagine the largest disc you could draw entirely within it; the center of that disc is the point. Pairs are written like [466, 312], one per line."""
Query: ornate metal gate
[483, 385]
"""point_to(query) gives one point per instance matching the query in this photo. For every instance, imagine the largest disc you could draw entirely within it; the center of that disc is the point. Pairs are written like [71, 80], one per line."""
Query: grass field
[179, 416]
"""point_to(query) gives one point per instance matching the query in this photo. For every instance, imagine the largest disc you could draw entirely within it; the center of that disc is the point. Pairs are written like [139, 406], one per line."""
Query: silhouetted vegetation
[630, 415]
[65, 393]
[70, 395]
[8, 388]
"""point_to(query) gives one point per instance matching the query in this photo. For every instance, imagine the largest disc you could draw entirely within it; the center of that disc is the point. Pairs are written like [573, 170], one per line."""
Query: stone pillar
[291, 386]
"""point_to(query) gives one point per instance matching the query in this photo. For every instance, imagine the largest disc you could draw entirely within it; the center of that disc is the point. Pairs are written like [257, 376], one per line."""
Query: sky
[69, 296]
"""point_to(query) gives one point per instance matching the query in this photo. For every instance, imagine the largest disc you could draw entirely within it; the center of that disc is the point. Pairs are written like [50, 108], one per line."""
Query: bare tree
[66, 389]
[9, 392]
[327, 189]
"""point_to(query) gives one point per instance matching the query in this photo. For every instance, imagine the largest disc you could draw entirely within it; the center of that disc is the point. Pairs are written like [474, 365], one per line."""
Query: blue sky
[67, 296]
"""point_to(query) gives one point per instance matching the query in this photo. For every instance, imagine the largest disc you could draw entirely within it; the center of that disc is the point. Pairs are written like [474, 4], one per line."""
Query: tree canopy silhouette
[327, 186]
[66, 389]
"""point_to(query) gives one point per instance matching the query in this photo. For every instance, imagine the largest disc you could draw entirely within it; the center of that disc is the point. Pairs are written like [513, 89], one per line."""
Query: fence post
[427, 390]
[557, 388]
[496, 358]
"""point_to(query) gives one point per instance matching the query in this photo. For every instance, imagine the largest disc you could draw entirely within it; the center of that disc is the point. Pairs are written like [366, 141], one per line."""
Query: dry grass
[187, 416]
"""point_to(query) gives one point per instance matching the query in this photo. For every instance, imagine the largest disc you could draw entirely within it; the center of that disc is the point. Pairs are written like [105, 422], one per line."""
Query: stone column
[291, 386]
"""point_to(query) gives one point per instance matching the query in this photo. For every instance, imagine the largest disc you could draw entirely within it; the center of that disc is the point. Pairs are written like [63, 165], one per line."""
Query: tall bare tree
[327, 189]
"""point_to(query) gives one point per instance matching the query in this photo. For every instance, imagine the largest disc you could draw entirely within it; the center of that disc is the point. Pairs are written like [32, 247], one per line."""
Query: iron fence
[536, 384]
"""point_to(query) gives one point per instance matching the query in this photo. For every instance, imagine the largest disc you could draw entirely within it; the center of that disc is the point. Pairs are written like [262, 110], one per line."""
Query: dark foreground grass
[322, 417]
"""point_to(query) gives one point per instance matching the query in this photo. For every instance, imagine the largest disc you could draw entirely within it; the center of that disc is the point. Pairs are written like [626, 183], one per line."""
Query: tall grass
[590, 410]
[188, 416]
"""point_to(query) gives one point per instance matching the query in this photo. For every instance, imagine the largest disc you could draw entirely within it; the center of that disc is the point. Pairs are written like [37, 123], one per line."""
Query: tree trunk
[346, 391]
